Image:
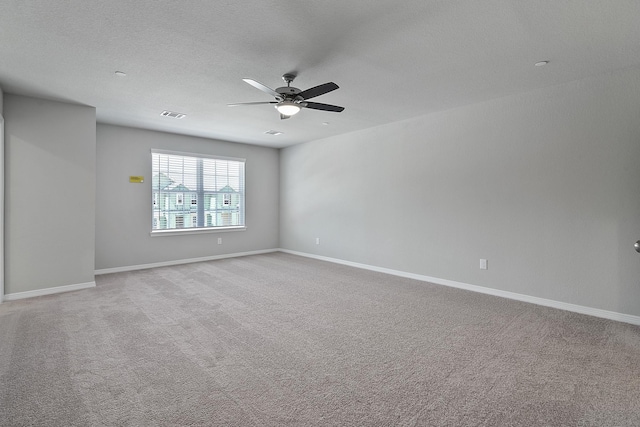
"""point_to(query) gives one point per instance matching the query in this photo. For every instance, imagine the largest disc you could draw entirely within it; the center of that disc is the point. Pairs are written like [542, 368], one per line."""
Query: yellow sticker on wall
[136, 179]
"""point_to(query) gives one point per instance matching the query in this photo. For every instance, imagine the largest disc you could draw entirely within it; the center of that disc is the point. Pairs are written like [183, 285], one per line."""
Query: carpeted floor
[280, 340]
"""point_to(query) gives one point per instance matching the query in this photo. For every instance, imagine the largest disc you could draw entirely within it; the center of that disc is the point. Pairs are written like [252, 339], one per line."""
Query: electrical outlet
[219, 240]
[484, 264]
[317, 240]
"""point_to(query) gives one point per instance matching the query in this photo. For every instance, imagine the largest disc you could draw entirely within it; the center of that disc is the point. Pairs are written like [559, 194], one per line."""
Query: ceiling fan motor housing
[290, 93]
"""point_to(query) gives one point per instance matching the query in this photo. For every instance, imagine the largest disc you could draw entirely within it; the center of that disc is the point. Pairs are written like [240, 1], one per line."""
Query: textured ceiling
[392, 59]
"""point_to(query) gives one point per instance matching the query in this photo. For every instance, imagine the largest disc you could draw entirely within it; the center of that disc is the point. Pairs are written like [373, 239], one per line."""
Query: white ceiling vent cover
[173, 115]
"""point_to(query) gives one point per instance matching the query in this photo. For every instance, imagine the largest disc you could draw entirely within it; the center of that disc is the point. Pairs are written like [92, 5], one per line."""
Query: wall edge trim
[49, 291]
[180, 261]
[590, 311]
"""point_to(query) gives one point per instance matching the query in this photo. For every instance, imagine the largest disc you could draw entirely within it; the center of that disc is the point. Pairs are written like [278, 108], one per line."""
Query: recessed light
[121, 74]
[541, 63]
[273, 132]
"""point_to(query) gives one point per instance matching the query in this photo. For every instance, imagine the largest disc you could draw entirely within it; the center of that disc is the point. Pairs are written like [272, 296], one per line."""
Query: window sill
[180, 231]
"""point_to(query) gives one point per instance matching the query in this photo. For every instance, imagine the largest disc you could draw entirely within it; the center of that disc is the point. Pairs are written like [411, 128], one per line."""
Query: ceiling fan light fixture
[288, 108]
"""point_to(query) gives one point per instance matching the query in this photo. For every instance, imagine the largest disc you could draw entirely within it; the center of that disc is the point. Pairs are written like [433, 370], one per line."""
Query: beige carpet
[280, 340]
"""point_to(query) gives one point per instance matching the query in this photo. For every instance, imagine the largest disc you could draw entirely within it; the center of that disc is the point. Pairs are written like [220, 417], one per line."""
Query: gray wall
[1, 196]
[123, 221]
[545, 185]
[50, 150]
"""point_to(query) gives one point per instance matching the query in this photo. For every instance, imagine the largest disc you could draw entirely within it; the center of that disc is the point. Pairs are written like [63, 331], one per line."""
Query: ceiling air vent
[173, 115]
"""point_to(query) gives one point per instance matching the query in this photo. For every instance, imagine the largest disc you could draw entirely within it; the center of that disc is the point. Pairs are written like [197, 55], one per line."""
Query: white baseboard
[180, 261]
[48, 291]
[611, 315]
[596, 312]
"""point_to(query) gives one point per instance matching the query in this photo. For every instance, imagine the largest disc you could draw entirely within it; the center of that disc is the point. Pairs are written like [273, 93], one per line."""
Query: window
[217, 182]
[226, 218]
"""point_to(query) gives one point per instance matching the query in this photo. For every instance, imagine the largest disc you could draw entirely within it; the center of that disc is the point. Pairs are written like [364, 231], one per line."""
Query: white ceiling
[392, 59]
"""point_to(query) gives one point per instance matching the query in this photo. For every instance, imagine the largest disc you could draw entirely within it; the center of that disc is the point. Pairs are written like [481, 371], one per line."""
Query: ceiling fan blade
[318, 90]
[324, 107]
[251, 103]
[263, 88]
[283, 117]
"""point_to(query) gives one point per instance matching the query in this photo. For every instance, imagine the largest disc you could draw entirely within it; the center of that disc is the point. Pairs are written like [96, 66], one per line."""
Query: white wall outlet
[219, 240]
[484, 264]
[317, 240]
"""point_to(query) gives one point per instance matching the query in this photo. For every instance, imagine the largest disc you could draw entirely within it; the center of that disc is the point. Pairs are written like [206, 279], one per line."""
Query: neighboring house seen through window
[212, 187]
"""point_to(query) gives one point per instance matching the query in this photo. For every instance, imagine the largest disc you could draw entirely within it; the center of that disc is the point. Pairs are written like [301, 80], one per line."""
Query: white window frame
[203, 211]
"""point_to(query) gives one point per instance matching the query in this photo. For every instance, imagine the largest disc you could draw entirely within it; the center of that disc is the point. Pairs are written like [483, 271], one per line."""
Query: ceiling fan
[290, 100]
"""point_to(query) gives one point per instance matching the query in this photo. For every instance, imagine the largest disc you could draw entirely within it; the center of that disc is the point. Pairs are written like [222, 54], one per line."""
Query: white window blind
[213, 188]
